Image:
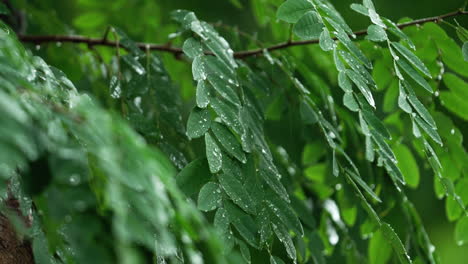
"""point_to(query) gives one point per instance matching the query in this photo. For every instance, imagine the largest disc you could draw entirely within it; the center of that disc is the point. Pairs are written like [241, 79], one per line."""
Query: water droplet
[452, 131]
[74, 179]
[431, 248]
[38, 47]
[291, 171]
[137, 102]
[332, 209]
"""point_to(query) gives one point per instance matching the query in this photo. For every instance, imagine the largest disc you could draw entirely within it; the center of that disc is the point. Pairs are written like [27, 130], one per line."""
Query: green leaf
[233, 169]
[191, 178]
[243, 223]
[308, 115]
[224, 88]
[395, 241]
[407, 164]
[455, 84]
[376, 33]
[375, 123]
[461, 231]
[192, 48]
[213, 153]
[452, 55]
[228, 113]
[209, 197]
[379, 251]
[357, 66]
[359, 81]
[364, 185]
[413, 59]
[422, 111]
[367, 207]
[309, 26]
[350, 102]
[203, 94]
[245, 252]
[413, 74]
[236, 191]
[198, 123]
[275, 260]
[455, 104]
[272, 178]
[360, 9]
[228, 141]
[334, 17]
[133, 63]
[222, 224]
[403, 99]
[325, 41]
[375, 18]
[431, 131]
[198, 69]
[285, 238]
[335, 168]
[284, 212]
[213, 41]
[370, 153]
[393, 28]
[263, 221]
[292, 10]
[344, 39]
[344, 82]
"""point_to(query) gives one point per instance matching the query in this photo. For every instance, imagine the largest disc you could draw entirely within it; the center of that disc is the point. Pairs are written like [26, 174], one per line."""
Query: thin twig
[40, 39]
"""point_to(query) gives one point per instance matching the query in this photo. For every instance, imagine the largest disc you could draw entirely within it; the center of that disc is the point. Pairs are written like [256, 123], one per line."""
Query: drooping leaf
[236, 192]
[395, 241]
[413, 59]
[209, 197]
[213, 153]
[292, 10]
[461, 231]
[379, 250]
[407, 164]
[376, 33]
[198, 122]
[243, 223]
[325, 40]
[203, 94]
[308, 26]
[413, 74]
[283, 235]
[228, 141]
[284, 212]
[192, 48]
[193, 176]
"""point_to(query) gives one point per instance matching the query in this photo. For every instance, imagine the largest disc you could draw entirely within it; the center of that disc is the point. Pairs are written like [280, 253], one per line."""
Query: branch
[40, 39]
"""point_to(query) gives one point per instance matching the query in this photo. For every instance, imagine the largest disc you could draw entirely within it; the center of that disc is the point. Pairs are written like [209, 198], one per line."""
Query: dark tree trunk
[13, 248]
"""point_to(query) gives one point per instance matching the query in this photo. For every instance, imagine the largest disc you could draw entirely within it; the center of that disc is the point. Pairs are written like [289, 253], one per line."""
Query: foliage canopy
[271, 155]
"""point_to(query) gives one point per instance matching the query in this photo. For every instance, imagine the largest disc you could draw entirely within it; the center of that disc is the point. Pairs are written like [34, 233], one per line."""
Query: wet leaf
[209, 197]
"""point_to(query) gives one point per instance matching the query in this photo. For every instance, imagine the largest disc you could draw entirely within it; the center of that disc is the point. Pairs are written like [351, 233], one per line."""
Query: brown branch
[40, 39]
